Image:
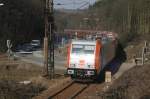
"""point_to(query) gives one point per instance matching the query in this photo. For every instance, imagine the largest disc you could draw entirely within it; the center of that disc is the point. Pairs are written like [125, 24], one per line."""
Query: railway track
[70, 91]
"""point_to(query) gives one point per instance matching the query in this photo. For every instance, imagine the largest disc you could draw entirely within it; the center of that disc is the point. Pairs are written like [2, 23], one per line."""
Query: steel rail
[61, 90]
[79, 92]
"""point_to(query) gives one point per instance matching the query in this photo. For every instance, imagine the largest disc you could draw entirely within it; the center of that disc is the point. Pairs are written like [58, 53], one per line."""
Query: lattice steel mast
[49, 39]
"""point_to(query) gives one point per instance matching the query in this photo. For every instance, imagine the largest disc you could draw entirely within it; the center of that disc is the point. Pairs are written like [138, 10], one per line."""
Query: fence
[144, 55]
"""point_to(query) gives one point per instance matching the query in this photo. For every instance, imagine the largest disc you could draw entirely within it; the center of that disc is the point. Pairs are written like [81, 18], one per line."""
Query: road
[60, 60]
[123, 68]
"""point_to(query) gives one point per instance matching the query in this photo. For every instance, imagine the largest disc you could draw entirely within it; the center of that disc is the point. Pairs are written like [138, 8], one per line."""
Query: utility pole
[49, 40]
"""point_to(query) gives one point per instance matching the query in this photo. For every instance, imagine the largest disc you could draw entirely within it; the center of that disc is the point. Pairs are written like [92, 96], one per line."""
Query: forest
[129, 18]
[23, 20]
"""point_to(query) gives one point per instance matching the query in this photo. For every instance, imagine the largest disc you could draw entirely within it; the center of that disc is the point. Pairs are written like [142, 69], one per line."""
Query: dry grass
[17, 70]
[135, 83]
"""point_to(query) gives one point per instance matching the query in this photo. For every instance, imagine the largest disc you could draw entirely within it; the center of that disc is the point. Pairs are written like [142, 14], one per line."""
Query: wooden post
[145, 45]
[108, 77]
[143, 56]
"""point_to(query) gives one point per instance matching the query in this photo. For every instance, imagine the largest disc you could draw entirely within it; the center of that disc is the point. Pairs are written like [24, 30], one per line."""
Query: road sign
[9, 46]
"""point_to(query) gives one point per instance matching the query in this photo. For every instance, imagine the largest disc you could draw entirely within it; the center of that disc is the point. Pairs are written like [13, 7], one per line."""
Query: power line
[76, 4]
[83, 5]
[68, 3]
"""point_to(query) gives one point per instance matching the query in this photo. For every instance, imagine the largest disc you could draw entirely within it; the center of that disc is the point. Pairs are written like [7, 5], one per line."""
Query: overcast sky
[73, 4]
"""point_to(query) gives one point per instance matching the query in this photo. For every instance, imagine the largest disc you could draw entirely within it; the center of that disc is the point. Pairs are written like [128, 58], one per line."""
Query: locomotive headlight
[90, 72]
[70, 71]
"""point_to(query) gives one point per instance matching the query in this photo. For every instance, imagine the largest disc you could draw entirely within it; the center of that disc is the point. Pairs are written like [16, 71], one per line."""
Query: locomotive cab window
[86, 49]
[89, 49]
[77, 48]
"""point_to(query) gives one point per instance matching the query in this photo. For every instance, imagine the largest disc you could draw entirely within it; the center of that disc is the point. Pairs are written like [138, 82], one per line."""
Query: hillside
[133, 84]
[129, 18]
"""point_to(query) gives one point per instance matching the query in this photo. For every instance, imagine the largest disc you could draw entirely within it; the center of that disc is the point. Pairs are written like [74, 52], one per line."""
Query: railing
[144, 56]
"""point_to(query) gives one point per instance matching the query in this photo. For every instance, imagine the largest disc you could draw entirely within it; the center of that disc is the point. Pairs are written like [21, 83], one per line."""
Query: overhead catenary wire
[69, 3]
[76, 4]
[82, 6]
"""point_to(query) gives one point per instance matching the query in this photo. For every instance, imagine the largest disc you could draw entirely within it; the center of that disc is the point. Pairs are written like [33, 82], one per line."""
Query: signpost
[9, 51]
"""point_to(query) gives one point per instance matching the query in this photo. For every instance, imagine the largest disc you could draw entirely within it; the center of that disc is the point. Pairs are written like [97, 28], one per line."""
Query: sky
[73, 4]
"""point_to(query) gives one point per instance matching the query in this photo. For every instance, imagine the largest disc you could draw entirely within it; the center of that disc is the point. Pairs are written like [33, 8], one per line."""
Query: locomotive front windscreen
[83, 49]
